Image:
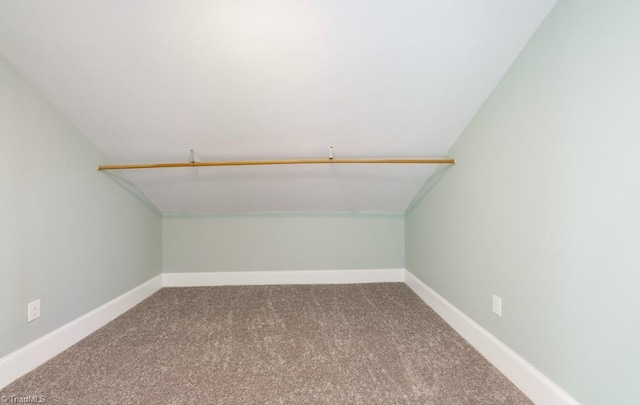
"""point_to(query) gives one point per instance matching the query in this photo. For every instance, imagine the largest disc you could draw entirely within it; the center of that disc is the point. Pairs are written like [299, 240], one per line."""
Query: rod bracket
[192, 157]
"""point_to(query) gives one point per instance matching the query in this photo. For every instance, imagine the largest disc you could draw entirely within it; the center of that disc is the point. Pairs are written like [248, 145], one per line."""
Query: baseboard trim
[27, 358]
[282, 277]
[534, 384]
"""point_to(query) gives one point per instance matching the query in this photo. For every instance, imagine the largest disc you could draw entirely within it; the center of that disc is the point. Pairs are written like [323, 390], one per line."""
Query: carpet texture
[297, 344]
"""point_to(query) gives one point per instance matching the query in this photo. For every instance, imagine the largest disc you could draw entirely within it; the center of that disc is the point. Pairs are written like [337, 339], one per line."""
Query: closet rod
[281, 162]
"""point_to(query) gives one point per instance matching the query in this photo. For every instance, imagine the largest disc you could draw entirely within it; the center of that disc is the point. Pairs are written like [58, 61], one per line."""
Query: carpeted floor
[324, 344]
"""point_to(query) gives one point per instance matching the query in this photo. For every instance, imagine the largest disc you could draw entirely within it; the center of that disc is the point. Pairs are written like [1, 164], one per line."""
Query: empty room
[320, 202]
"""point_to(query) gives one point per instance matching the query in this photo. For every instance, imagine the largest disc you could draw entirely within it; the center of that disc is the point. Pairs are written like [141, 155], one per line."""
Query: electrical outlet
[496, 306]
[33, 310]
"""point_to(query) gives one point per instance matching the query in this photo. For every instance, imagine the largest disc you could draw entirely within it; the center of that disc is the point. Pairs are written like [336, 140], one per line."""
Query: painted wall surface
[282, 242]
[69, 235]
[543, 207]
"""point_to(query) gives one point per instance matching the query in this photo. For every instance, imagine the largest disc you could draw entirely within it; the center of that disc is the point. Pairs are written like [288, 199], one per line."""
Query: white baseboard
[25, 359]
[527, 378]
[283, 277]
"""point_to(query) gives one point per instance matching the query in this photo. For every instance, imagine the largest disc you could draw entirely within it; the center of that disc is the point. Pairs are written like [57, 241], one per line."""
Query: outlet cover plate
[33, 310]
[496, 306]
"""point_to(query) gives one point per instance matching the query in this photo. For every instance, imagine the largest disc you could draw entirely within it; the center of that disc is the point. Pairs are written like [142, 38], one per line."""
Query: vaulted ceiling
[149, 80]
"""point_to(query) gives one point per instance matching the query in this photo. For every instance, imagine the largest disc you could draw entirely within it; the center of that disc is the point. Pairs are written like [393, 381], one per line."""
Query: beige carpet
[324, 344]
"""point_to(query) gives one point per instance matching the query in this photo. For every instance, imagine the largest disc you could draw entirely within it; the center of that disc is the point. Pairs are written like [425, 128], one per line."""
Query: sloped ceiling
[149, 80]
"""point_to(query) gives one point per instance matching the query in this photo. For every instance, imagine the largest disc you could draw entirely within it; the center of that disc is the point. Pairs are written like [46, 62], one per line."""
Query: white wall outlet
[33, 310]
[496, 306]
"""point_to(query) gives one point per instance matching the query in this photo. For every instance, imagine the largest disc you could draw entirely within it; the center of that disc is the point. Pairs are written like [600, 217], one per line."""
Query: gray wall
[543, 208]
[282, 242]
[69, 235]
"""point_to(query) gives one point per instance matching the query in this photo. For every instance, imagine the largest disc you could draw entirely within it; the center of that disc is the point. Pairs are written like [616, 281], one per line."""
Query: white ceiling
[148, 80]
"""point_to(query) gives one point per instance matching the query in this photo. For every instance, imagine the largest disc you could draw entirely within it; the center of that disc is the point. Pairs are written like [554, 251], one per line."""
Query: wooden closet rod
[447, 161]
